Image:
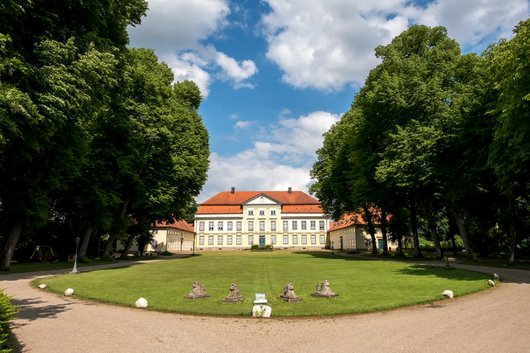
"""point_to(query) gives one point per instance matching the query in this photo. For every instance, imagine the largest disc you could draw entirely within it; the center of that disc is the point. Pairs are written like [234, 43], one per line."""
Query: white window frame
[238, 226]
[261, 226]
[251, 212]
[219, 240]
[313, 225]
[304, 239]
[303, 225]
[313, 239]
[285, 226]
[211, 226]
[273, 212]
[239, 240]
[262, 212]
[273, 239]
[250, 226]
[229, 225]
[250, 240]
[294, 225]
[229, 240]
[295, 239]
[210, 239]
[322, 239]
[285, 239]
[201, 239]
[220, 226]
[273, 226]
[322, 225]
[201, 226]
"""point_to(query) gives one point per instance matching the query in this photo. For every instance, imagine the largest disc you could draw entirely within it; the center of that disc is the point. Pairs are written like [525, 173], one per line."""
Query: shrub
[166, 253]
[7, 313]
[254, 247]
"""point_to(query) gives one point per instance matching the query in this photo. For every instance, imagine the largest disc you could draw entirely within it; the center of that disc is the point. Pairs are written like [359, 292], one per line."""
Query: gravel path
[494, 320]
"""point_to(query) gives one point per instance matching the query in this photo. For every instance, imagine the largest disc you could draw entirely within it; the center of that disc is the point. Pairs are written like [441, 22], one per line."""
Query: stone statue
[288, 294]
[198, 291]
[323, 290]
[234, 296]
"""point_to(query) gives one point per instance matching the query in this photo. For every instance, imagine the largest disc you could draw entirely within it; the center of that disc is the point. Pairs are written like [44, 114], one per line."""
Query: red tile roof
[217, 209]
[347, 220]
[181, 225]
[240, 197]
[302, 209]
[228, 202]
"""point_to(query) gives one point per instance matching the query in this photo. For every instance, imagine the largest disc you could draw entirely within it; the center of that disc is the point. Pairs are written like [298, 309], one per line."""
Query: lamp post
[74, 270]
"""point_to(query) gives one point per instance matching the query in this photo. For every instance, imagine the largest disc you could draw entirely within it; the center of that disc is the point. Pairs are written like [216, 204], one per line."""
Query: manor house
[238, 219]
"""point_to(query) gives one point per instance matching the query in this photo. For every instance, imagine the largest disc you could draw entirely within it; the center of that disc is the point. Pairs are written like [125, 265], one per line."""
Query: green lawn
[363, 285]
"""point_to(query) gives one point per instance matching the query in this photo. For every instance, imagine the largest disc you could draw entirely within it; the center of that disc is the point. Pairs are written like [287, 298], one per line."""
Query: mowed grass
[363, 285]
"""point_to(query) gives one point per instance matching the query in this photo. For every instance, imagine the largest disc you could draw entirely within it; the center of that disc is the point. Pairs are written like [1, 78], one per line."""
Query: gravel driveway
[495, 320]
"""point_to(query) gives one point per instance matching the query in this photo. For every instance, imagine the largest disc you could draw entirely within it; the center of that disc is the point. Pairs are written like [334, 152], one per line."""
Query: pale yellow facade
[171, 239]
[261, 222]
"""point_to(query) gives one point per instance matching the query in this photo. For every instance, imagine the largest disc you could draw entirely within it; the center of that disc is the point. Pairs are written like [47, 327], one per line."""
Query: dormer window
[250, 212]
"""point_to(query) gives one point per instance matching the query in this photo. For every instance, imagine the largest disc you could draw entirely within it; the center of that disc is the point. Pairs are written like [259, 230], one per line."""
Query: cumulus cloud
[176, 30]
[277, 160]
[329, 44]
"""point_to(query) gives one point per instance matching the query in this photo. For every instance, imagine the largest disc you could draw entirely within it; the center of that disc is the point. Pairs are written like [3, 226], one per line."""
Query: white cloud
[329, 44]
[279, 159]
[176, 30]
[171, 25]
[471, 21]
[243, 124]
[234, 70]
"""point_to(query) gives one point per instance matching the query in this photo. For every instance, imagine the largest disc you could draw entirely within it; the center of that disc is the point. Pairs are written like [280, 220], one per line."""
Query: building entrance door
[261, 240]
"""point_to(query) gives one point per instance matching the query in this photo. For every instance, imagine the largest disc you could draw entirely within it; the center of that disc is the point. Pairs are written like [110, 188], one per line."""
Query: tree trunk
[459, 219]
[512, 233]
[384, 232]
[428, 211]
[9, 245]
[414, 229]
[400, 244]
[127, 247]
[113, 236]
[83, 247]
[371, 229]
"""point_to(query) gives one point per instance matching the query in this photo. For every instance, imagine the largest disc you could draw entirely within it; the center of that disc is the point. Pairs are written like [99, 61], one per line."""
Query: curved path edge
[494, 320]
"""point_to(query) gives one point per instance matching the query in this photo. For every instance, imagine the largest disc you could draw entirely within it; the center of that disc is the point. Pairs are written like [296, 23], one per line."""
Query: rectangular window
[210, 239]
[295, 239]
[201, 226]
[285, 225]
[250, 226]
[273, 212]
[313, 239]
[220, 225]
[322, 225]
[304, 239]
[273, 226]
[250, 212]
[238, 226]
[273, 239]
[261, 212]
[303, 226]
[239, 240]
[201, 239]
[210, 226]
[229, 240]
[229, 225]
[261, 226]
[285, 240]
[250, 239]
[313, 225]
[294, 225]
[322, 239]
[219, 240]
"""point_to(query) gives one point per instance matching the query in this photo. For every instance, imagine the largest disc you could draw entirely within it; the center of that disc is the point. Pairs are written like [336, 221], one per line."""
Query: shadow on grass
[442, 272]
[330, 255]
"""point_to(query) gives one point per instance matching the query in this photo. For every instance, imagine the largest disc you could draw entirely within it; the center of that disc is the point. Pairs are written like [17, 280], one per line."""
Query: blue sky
[276, 74]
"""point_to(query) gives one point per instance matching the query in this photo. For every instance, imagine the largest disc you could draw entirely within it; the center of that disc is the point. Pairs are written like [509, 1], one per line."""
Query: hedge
[7, 313]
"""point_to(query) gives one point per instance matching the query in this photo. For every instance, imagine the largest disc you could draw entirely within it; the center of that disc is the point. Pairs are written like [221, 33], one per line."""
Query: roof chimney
[233, 190]
[290, 190]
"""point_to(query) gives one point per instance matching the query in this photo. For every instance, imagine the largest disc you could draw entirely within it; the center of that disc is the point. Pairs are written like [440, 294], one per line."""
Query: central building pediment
[261, 199]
